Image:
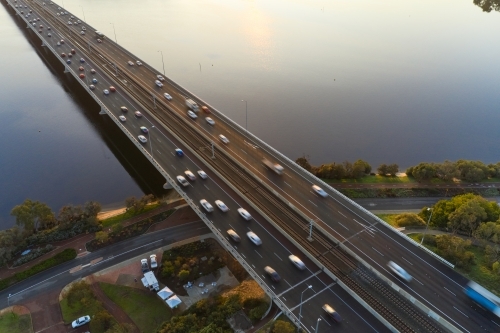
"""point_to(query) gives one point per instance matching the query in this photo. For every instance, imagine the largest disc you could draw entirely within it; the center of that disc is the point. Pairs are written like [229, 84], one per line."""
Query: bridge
[345, 248]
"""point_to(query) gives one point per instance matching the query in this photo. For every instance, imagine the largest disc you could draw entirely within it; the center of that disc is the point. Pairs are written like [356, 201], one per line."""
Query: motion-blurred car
[182, 181]
[190, 175]
[167, 96]
[223, 139]
[210, 121]
[318, 190]
[332, 313]
[222, 206]
[297, 262]
[399, 271]
[179, 152]
[272, 273]
[192, 115]
[234, 235]
[254, 238]
[202, 174]
[142, 138]
[205, 204]
[246, 215]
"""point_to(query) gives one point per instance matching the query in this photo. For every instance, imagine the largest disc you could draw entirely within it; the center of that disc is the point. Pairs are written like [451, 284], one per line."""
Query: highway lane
[296, 188]
[164, 145]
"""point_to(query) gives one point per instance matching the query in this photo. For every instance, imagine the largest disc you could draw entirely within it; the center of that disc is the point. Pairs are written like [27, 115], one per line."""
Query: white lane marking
[284, 298]
[287, 282]
[450, 291]
[259, 254]
[418, 281]
[254, 266]
[244, 257]
[460, 311]
[495, 323]
[158, 151]
[313, 203]
[243, 151]
[378, 251]
[273, 287]
[325, 321]
[287, 183]
[342, 225]
[341, 214]
[206, 187]
[173, 166]
[406, 260]
[278, 256]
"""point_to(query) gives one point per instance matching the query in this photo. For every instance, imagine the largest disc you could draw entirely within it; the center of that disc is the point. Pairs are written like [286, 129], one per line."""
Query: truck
[273, 166]
[192, 105]
[149, 281]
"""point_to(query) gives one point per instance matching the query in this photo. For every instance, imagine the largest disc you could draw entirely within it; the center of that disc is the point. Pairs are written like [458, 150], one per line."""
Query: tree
[101, 236]
[69, 215]
[423, 172]
[281, 326]
[472, 171]
[492, 253]
[408, 220]
[32, 215]
[304, 163]
[447, 171]
[183, 275]
[488, 231]
[348, 168]
[382, 170]
[168, 269]
[392, 169]
[360, 168]
[92, 208]
[454, 249]
[467, 217]
[338, 171]
[102, 321]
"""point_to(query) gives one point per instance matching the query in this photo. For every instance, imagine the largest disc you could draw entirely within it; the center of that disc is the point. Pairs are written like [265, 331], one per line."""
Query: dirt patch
[17, 309]
[46, 313]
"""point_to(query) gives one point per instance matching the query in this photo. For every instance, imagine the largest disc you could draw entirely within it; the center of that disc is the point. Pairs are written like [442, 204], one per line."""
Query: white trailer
[192, 105]
[149, 281]
[273, 166]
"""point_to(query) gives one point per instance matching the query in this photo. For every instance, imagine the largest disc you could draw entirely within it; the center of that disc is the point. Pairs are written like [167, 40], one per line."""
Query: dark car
[272, 273]
[332, 313]
[73, 51]
[179, 152]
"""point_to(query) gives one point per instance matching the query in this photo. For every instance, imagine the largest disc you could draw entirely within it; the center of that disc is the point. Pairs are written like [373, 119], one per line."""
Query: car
[48, 28]
[144, 129]
[82, 32]
[190, 175]
[223, 139]
[58, 14]
[38, 19]
[82, 76]
[182, 181]
[99, 40]
[124, 109]
[167, 96]
[73, 51]
[158, 83]
[210, 121]
[254, 238]
[40, 31]
[106, 92]
[246, 215]
[130, 63]
[138, 114]
[70, 23]
[202, 174]
[233, 235]
[80, 321]
[332, 313]
[65, 13]
[122, 118]
[222, 206]
[192, 115]
[79, 21]
[205, 204]
[144, 265]
[63, 55]
[71, 17]
[58, 44]
[138, 63]
[94, 81]
[161, 78]
[318, 190]
[297, 262]
[82, 60]
[62, 41]
[272, 273]
[41, 26]
[70, 55]
[81, 69]
[34, 24]
[49, 34]
[399, 271]
[83, 28]
[92, 71]
[68, 61]
[92, 87]
[154, 263]
[111, 88]
[142, 138]
[179, 152]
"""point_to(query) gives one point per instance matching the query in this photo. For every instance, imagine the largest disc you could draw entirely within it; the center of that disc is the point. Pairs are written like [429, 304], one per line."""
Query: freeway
[436, 285]
[275, 248]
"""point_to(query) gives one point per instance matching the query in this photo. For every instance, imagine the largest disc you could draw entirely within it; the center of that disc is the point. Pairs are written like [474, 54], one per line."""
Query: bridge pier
[66, 69]
[167, 186]
[102, 111]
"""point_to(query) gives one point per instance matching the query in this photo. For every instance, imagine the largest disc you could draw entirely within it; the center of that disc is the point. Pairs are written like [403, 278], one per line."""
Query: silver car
[254, 238]
[297, 262]
[182, 181]
[205, 204]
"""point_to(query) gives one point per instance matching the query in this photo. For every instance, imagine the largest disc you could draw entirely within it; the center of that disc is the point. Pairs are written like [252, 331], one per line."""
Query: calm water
[386, 81]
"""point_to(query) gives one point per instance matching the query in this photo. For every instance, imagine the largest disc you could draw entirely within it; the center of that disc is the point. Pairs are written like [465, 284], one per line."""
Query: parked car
[144, 265]
[80, 321]
[154, 263]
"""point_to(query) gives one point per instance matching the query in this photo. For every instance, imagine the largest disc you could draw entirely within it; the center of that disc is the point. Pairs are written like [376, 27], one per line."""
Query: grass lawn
[122, 217]
[145, 308]
[79, 310]
[13, 323]
[389, 218]
[372, 180]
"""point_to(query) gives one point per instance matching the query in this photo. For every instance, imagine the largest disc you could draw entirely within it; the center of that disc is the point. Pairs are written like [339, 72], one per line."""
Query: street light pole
[427, 226]
[85, 20]
[300, 310]
[317, 324]
[162, 62]
[114, 32]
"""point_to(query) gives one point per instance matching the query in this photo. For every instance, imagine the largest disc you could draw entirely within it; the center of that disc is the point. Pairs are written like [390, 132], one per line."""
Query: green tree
[382, 170]
[32, 215]
[348, 167]
[467, 217]
[101, 236]
[392, 169]
[424, 172]
[69, 215]
[117, 228]
[454, 249]
[360, 168]
[183, 275]
[338, 171]
[92, 208]
[304, 163]
[103, 321]
[168, 269]
[488, 231]
[492, 253]
[281, 326]
[447, 171]
[472, 171]
[408, 220]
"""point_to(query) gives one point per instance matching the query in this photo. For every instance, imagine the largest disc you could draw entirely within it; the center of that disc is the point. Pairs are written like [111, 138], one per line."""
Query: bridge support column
[102, 111]
[167, 186]
[66, 69]
[43, 43]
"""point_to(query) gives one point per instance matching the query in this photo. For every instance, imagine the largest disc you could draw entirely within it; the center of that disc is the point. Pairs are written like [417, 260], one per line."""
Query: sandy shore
[109, 213]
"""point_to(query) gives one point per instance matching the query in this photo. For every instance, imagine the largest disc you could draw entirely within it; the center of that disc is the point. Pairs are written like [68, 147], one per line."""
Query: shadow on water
[134, 162]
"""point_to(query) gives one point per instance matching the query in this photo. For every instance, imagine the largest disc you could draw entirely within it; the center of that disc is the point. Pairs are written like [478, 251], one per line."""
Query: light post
[114, 32]
[8, 300]
[317, 324]
[85, 20]
[163, 63]
[427, 226]
[300, 310]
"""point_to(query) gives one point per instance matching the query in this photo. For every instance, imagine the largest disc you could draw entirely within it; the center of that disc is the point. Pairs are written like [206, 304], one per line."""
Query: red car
[73, 51]
[63, 55]
[81, 68]
[112, 88]
[82, 76]
[205, 109]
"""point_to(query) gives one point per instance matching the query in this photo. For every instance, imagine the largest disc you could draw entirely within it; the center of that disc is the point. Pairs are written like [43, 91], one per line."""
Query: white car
[318, 190]
[233, 235]
[69, 22]
[192, 115]
[82, 32]
[223, 139]
[142, 138]
[138, 63]
[167, 96]
[222, 206]
[80, 321]
[130, 63]
[182, 181]
[122, 118]
[399, 271]
[83, 28]
[246, 215]
[210, 121]
[158, 83]
[161, 78]
[154, 263]
[297, 262]
[79, 21]
[202, 174]
[254, 238]
[205, 204]
[190, 175]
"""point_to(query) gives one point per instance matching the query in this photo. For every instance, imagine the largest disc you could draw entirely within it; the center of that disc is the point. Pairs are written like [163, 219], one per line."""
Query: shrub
[257, 312]
[409, 219]
[496, 267]
[183, 275]
[168, 269]
[33, 255]
[281, 326]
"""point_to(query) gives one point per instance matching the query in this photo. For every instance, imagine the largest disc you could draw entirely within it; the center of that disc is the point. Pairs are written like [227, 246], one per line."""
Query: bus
[99, 34]
[483, 297]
